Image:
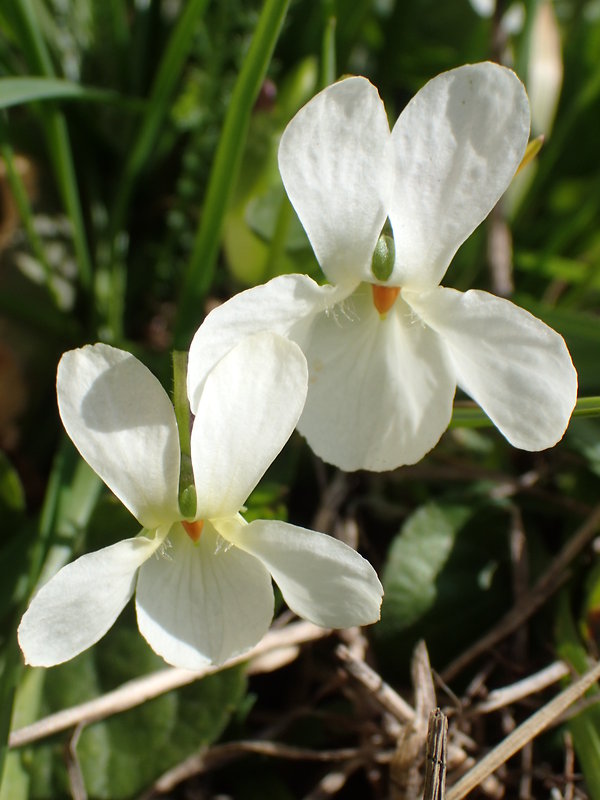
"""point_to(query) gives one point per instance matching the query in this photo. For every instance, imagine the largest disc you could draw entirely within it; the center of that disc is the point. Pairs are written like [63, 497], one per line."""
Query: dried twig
[382, 692]
[549, 582]
[527, 731]
[499, 698]
[406, 768]
[216, 756]
[138, 691]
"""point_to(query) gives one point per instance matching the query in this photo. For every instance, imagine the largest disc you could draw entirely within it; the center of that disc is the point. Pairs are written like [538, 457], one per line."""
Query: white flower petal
[283, 305]
[203, 602]
[123, 424]
[248, 409]
[334, 160]
[517, 368]
[321, 579]
[457, 146]
[380, 391]
[81, 602]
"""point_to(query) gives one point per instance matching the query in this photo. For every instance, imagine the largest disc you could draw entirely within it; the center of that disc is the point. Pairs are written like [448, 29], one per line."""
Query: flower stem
[187, 490]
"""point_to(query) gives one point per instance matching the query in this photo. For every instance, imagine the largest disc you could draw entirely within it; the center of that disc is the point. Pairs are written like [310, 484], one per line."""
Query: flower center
[384, 297]
[193, 529]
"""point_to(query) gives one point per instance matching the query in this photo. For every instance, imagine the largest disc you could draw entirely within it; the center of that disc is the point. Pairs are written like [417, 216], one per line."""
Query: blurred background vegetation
[138, 188]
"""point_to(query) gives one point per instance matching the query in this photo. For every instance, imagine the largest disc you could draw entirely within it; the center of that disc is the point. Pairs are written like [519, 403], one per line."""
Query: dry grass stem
[525, 733]
[499, 698]
[435, 758]
[138, 691]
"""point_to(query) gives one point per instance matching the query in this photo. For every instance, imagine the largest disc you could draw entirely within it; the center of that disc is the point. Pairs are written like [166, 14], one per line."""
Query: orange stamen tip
[384, 297]
[193, 529]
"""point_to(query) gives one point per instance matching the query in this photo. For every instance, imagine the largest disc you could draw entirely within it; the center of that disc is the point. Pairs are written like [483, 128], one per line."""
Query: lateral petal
[284, 305]
[321, 579]
[457, 146]
[123, 424]
[380, 391]
[203, 603]
[334, 159]
[247, 411]
[81, 602]
[513, 365]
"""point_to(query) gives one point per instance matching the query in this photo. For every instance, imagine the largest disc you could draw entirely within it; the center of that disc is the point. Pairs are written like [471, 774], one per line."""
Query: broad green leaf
[444, 579]
[122, 755]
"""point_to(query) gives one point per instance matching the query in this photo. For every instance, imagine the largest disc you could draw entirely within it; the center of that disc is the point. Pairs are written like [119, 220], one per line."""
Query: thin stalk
[468, 416]
[328, 51]
[225, 169]
[277, 245]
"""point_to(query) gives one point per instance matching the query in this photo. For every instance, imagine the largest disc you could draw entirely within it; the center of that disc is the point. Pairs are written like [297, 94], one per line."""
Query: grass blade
[225, 169]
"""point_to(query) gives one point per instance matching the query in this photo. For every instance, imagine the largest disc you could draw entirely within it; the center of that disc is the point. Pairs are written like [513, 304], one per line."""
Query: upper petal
[380, 391]
[81, 602]
[457, 145]
[123, 424]
[248, 408]
[321, 579]
[517, 368]
[334, 161]
[282, 305]
[203, 602]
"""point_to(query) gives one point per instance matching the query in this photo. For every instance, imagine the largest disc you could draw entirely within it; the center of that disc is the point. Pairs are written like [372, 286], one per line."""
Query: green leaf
[16, 91]
[444, 580]
[226, 167]
[122, 755]
[262, 212]
[12, 495]
[581, 332]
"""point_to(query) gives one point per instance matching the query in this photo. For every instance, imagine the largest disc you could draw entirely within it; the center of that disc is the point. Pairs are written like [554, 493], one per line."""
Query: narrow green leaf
[225, 169]
[167, 76]
[19, 90]
[57, 137]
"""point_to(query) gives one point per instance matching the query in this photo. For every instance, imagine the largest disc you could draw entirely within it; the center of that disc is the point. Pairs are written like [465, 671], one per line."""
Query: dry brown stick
[138, 691]
[406, 767]
[526, 732]
[387, 698]
[506, 695]
[221, 754]
[545, 586]
[435, 758]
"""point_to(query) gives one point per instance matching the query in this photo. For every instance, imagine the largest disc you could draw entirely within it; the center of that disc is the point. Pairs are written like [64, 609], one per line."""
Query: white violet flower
[386, 345]
[202, 582]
